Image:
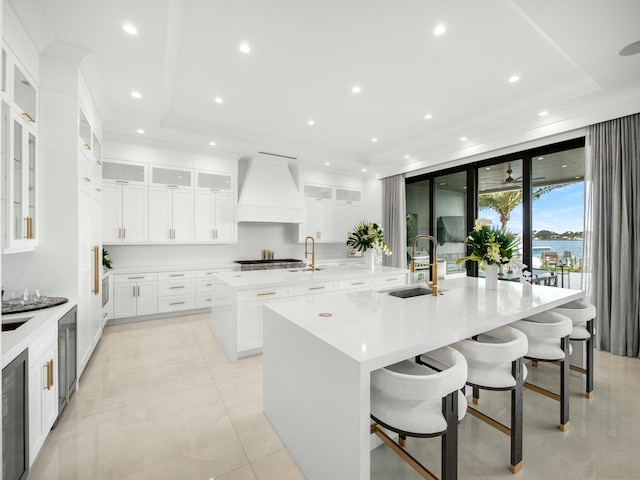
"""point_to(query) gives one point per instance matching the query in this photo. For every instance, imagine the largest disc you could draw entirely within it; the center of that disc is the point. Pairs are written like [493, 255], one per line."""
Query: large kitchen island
[239, 297]
[318, 355]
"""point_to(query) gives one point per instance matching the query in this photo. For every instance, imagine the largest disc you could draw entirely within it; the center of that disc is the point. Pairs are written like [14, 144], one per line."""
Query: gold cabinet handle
[357, 283]
[122, 181]
[51, 372]
[87, 179]
[134, 290]
[174, 288]
[214, 189]
[316, 288]
[176, 303]
[176, 274]
[29, 117]
[208, 285]
[98, 189]
[87, 146]
[134, 278]
[46, 373]
[266, 293]
[391, 279]
[96, 273]
[104, 315]
[124, 233]
[119, 233]
[98, 162]
[26, 227]
[138, 290]
[172, 186]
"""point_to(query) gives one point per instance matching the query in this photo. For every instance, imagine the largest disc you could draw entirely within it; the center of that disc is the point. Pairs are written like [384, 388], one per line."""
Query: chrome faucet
[313, 251]
[434, 264]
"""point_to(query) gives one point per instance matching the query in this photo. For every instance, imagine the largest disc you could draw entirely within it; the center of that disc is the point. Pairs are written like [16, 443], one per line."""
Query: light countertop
[261, 278]
[377, 329]
[14, 342]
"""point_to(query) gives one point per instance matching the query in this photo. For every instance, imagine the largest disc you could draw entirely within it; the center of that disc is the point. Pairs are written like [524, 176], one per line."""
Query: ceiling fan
[510, 179]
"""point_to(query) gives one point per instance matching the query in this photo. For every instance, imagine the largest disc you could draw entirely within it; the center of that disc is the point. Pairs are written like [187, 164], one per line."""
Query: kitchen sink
[13, 323]
[410, 292]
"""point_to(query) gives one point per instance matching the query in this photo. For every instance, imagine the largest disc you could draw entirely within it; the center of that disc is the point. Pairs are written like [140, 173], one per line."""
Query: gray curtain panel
[613, 227]
[394, 212]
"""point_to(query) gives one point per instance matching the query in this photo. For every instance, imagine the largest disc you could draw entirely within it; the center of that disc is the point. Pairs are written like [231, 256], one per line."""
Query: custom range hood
[268, 191]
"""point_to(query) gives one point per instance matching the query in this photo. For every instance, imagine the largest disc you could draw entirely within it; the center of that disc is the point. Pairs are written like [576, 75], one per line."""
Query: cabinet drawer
[356, 284]
[204, 285]
[315, 288]
[176, 302]
[135, 277]
[204, 300]
[44, 341]
[391, 280]
[175, 275]
[210, 273]
[176, 287]
[263, 294]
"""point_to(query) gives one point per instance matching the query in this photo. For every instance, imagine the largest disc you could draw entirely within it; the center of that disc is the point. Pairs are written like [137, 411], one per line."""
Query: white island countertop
[319, 353]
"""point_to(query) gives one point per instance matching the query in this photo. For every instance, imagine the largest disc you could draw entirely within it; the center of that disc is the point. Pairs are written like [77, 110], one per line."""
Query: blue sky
[560, 210]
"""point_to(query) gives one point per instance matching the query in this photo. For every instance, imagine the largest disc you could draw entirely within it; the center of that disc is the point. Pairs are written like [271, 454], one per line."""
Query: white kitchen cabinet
[125, 210]
[314, 289]
[176, 291]
[43, 389]
[215, 217]
[330, 213]
[135, 294]
[20, 173]
[170, 214]
[386, 281]
[250, 305]
[356, 284]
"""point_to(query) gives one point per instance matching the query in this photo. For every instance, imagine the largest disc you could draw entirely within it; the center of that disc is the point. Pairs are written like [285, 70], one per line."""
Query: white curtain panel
[612, 229]
[394, 213]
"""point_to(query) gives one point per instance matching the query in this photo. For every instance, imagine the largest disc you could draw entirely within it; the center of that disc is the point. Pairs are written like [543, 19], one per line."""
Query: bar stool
[582, 314]
[494, 361]
[548, 336]
[414, 400]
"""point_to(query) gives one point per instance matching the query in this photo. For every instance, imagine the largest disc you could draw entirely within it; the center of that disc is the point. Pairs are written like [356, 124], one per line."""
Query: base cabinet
[43, 389]
[135, 295]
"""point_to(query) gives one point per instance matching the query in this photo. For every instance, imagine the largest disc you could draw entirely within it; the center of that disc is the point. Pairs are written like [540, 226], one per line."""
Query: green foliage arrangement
[490, 246]
[368, 235]
[105, 260]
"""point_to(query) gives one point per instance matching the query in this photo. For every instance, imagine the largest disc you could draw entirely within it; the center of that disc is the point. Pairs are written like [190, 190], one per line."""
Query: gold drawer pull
[173, 288]
[87, 146]
[358, 283]
[266, 293]
[391, 279]
[29, 117]
[122, 181]
[208, 284]
[317, 288]
[177, 303]
[134, 278]
[87, 179]
[177, 275]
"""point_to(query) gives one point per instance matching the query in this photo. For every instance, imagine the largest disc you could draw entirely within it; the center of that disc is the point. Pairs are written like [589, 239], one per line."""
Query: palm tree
[505, 202]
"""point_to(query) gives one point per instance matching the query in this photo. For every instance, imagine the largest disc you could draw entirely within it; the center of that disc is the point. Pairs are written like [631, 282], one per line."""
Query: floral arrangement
[106, 261]
[490, 246]
[368, 235]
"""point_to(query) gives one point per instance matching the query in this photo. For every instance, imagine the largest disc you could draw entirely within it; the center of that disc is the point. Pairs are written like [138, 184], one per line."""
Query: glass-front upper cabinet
[25, 94]
[19, 167]
[84, 130]
[214, 181]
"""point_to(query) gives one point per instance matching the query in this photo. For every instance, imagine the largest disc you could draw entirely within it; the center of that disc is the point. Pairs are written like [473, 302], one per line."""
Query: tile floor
[159, 400]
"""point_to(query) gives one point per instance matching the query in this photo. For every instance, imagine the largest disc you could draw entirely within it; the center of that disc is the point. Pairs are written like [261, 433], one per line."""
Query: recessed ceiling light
[406, 156]
[311, 122]
[540, 158]
[374, 139]
[130, 29]
[543, 113]
[464, 188]
[439, 30]
[245, 47]
[219, 100]
[356, 89]
[213, 144]
[428, 116]
[327, 163]
[140, 131]
[514, 78]
[364, 169]
[180, 176]
[442, 184]
[577, 178]
[487, 168]
[463, 139]
[564, 166]
[136, 94]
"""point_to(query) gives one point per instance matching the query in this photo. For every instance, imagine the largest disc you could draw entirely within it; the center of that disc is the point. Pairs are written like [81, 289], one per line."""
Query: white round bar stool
[494, 361]
[548, 336]
[414, 400]
[582, 314]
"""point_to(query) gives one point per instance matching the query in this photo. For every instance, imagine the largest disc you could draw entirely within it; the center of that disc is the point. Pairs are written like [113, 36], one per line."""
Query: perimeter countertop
[15, 341]
[262, 278]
